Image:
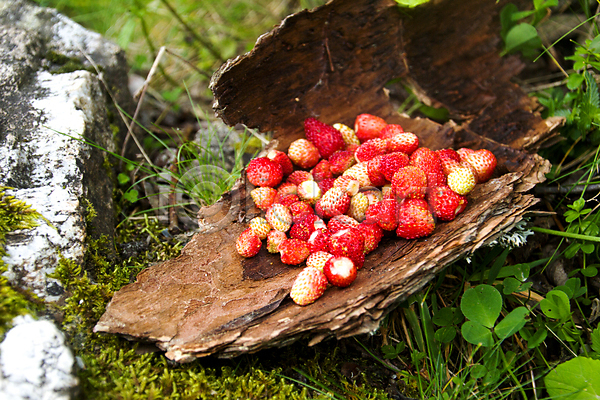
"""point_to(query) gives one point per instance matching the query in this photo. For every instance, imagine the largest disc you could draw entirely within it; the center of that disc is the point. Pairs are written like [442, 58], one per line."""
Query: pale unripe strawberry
[287, 188]
[347, 134]
[340, 222]
[309, 192]
[358, 205]
[360, 172]
[263, 197]
[279, 217]
[334, 202]
[274, 240]
[318, 259]
[248, 243]
[310, 284]
[348, 184]
[303, 153]
[461, 180]
[260, 227]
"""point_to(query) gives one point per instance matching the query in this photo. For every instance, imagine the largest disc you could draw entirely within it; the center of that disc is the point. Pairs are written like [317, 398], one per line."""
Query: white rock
[35, 364]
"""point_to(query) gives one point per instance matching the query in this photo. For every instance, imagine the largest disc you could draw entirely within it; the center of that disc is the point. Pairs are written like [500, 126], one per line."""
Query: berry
[318, 240]
[414, 219]
[348, 184]
[376, 177]
[463, 152]
[293, 251]
[462, 180]
[260, 227]
[279, 217]
[287, 188]
[282, 159]
[349, 243]
[248, 243]
[370, 149]
[428, 161]
[368, 126]
[391, 163]
[484, 163]
[445, 203]
[309, 192]
[449, 160]
[390, 131]
[358, 205]
[321, 171]
[384, 214]
[263, 197]
[360, 172]
[406, 142]
[318, 259]
[303, 153]
[373, 195]
[299, 209]
[341, 161]
[263, 171]
[310, 284]
[326, 138]
[340, 222]
[409, 182]
[372, 233]
[340, 271]
[286, 200]
[334, 202]
[305, 227]
[326, 184]
[348, 134]
[297, 177]
[274, 239]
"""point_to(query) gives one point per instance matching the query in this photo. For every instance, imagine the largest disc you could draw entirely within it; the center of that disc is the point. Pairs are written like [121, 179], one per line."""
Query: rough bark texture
[333, 63]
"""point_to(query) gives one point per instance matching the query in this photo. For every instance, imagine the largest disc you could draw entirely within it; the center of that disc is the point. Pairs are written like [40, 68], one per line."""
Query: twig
[574, 189]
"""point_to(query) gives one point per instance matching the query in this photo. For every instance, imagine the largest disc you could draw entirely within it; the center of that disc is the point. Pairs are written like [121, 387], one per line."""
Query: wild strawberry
[282, 159]
[325, 137]
[409, 182]
[406, 142]
[462, 180]
[334, 202]
[321, 171]
[286, 200]
[484, 163]
[293, 251]
[349, 243]
[306, 226]
[445, 203]
[263, 197]
[372, 233]
[384, 214]
[387, 192]
[341, 161]
[391, 163]
[279, 217]
[260, 227]
[368, 126]
[373, 195]
[428, 161]
[303, 153]
[352, 148]
[297, 177]
[263, 171]
[449, 160]
[414, 219]
[318, 240]
[358, 205]
[326, 184]
[310, 284]
[463, 152]
[248, 243]
[390, 131]
[348, 134]
[340, 271]
[370, 149]
[287, 188]
[376, 177]
[309, 192]
[360, 172]
[348, 184]
[318, 259]
[274, 239]
[340, 222]
[299, 209]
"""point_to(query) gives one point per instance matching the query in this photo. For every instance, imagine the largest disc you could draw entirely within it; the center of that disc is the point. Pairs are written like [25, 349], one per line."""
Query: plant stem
[566, 234]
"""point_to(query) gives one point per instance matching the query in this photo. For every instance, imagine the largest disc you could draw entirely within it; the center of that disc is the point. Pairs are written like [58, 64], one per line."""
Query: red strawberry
[309, 192]
[349, 243]
[326, 184]
[445, 203]
[348, 134]
[390, 131]
[263, 197]
[370, 149]
[484, 163]
[463, 152]
[368, 126]
[325, 137]
[305, 227]
[372, 233]
[341, 161]
[318, 240]
[384, 214]
[293, 251]
[414, 219]
[406, 142]
[449, 160]
[297, 177]
[428, 161]
[340, 222]
[279, 217]
[303, 153]
[263, 171]
[248, 243]
[274, 239]
[334, 202]
[321, 171]
[391, 163]
[340, 271]
[260, 227]
[310, 284]
[299, 209]
[282, 159]
[409, 182]
[376, 177]
[287, 200]
[287, 188]
[352, 148]
[318, 259]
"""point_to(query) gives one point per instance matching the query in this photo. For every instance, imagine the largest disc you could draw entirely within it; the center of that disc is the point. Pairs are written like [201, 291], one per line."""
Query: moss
[61, 64]
[14, 215]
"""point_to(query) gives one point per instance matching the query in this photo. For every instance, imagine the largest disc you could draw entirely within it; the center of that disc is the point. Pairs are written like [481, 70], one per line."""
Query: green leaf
[576, 379]
[122, 178]
[596, 340]
[589, 271]
[556, 305]
[131, 196]
[482, 304]
[445, 334]
[478, 371]
[522, 37]
[477, 334]
[512, 323]
[538, 337]
[411, 3]
[444, 316]
[511, 285]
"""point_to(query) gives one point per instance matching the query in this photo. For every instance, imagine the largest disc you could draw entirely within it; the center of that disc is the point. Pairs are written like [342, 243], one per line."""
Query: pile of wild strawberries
[363, 182]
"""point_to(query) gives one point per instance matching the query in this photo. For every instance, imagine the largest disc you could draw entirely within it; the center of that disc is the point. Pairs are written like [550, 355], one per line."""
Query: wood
[333, 63]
